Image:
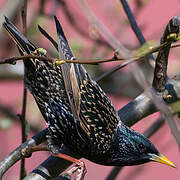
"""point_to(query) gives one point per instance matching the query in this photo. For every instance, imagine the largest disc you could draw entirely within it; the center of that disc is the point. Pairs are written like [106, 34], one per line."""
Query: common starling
[77, 111]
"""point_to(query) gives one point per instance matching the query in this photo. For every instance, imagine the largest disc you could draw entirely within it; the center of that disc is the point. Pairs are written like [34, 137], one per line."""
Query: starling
[77, 111]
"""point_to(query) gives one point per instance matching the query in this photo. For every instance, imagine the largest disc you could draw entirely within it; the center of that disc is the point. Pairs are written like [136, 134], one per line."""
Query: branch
[132, 22]
[22, 116]
[160, 72]
[134, 25]
[133, 59]
[13, 60]
[130, 60]
[51, 167]
[143, 106]
[18, 154]
[149, 49]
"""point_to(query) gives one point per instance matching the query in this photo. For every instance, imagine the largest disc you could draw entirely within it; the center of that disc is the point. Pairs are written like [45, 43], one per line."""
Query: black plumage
[77, 111]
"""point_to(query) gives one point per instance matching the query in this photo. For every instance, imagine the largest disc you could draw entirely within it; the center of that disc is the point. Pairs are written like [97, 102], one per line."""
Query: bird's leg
[79, 166]
[54, 145]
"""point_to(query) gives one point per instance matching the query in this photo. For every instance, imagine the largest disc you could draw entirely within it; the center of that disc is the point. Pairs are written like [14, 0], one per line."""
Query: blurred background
[152, 17]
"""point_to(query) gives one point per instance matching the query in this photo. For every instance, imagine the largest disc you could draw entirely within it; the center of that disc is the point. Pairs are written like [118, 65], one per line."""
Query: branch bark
[17, 154]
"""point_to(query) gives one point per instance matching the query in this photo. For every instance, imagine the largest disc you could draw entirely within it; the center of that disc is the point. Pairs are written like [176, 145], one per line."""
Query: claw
[78, 171]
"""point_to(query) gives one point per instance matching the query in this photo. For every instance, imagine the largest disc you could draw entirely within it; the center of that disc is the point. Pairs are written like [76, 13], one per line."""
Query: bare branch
[22, 116]
[132, 22]
[103, 30]
[149, 50]
[160, 72]
[129, 61]
[17, 154]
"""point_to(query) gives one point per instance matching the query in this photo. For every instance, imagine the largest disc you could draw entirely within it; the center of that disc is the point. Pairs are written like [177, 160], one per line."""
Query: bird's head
[131, 148]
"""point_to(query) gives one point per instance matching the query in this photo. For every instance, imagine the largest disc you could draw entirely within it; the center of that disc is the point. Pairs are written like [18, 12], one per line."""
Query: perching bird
[77, 111]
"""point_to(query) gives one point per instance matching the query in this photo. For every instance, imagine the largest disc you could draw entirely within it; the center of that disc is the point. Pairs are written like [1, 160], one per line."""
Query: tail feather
[24, 45]
[63, 46]
[48, 37]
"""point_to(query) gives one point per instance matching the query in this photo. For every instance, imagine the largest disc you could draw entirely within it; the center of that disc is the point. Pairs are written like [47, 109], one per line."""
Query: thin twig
[107, 35]
[17, 154]
[176, 44]
[23, 113]
[132, 22]
[24, 17]
[75, 25]
[113, 173]
[134, 25]
[13, 60]
[126, 62]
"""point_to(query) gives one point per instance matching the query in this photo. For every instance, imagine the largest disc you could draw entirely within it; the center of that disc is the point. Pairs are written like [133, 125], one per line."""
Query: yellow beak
[162, 159]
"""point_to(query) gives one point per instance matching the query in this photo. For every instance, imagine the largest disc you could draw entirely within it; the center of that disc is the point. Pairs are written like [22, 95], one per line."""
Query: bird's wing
[90, 106]
[71, 75]
[48, 37]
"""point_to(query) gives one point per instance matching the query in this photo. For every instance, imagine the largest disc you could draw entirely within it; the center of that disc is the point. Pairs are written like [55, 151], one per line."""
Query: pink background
[152, 19]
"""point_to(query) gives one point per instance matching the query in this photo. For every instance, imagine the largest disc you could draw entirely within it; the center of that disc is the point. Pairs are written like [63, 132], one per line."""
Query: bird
[77, 111]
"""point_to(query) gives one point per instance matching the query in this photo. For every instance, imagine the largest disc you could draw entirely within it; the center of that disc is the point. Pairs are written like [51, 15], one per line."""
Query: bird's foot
[78, 171]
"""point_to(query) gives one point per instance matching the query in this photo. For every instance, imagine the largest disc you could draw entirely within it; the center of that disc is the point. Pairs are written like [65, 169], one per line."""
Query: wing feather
[70, 76]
